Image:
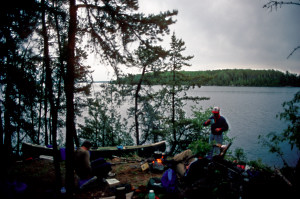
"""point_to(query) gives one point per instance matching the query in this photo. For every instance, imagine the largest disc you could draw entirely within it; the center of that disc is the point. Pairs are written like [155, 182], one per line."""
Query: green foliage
[149, 58]
[106, 26]
[176, 119]
[103, 125]
[18, 75]
[198, 118]
[291, 114]
[240, 155]
[257, 164]
[191, 130]
[200, 147]
[229, 77]
[198, 135]
[291, 134]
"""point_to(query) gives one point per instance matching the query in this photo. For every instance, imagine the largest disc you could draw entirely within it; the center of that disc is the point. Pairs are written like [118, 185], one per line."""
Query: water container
[63, 154]
[120, 193]
[63, 190]
[151, 194]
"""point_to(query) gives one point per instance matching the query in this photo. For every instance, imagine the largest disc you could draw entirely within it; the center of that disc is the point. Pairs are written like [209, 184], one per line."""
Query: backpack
[169, 181]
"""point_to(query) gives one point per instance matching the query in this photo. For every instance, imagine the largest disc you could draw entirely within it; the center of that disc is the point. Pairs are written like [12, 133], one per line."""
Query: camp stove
[158, 162]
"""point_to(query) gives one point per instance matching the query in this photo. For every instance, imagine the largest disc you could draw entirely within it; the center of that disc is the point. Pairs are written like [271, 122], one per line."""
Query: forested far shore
[225, 77]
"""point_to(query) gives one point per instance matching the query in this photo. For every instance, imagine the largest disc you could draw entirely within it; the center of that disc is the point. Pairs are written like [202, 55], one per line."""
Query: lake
[250, 112]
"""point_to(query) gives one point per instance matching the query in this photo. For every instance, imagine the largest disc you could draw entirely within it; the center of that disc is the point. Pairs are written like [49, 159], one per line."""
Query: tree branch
[298, 47]
[275, 4]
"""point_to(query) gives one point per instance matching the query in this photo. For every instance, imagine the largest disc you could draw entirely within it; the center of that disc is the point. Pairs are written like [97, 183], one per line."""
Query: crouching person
[88, 171]
[183, 159]
[190, 167]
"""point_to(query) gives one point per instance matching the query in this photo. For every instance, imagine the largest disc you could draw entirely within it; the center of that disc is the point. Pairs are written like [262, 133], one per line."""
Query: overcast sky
[228, 34]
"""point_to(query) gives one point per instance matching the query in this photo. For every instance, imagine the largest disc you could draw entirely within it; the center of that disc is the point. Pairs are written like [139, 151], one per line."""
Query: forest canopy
[227, 77]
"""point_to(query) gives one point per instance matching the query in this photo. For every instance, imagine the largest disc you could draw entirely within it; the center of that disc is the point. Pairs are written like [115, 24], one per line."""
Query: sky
[228, 34]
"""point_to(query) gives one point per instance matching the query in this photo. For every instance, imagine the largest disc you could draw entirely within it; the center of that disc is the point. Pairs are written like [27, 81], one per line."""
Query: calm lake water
[250, 112]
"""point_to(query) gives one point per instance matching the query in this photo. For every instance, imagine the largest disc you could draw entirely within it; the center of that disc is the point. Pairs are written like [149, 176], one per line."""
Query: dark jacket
[218, 123]
[82, 163]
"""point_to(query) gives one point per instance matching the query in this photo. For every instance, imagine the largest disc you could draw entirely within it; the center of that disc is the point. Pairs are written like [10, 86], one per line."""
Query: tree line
[228, 77]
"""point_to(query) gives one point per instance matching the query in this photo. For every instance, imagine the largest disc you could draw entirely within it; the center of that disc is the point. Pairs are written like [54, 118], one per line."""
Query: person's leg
[98, 161]
[219, 140]
[100, 167]
[180, 169]
[101, 170]
[211, 141]
[183, 155]
[85, 182]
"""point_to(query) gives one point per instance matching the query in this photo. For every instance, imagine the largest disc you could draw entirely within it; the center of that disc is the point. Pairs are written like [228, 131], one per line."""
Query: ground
[217, 181]
[39, 176]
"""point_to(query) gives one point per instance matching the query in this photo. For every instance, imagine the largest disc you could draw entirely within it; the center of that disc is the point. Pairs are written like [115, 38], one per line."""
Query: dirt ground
[39, 177]
[128, 172]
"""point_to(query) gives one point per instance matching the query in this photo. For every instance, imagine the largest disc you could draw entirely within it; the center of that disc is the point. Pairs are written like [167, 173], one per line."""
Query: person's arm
[207, 122]
[223, 127]
[86, 160]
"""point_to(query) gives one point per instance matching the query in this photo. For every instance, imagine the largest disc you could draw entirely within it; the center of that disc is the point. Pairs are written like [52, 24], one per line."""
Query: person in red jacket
[218, 125]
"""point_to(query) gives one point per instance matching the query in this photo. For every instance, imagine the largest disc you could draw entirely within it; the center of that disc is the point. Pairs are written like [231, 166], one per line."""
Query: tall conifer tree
[110, 26]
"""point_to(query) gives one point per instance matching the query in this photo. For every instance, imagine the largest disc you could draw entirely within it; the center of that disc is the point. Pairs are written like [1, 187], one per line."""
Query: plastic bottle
[120, 193]
[63, 190]
[151, 194]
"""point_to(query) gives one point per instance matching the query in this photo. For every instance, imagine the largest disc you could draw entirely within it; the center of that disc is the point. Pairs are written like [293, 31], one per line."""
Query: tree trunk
[7, 117]
[1, 130]
[173, 113]
[136, 114]
[45, 119]
[40, 117]
[69, 89]
[50, 96]
[136, 118]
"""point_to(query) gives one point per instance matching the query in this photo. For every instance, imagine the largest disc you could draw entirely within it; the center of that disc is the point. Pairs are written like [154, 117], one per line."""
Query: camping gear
[120, 193]
[169, 181]
[85, 182]
[151, 194]
[155, 184]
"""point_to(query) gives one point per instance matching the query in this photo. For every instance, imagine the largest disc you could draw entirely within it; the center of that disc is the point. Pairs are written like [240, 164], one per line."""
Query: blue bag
[169, 181]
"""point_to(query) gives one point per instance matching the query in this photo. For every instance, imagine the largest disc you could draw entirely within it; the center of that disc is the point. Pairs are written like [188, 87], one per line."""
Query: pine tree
[104, 126]
[111, 26]
[177, 92]
[17, 74]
